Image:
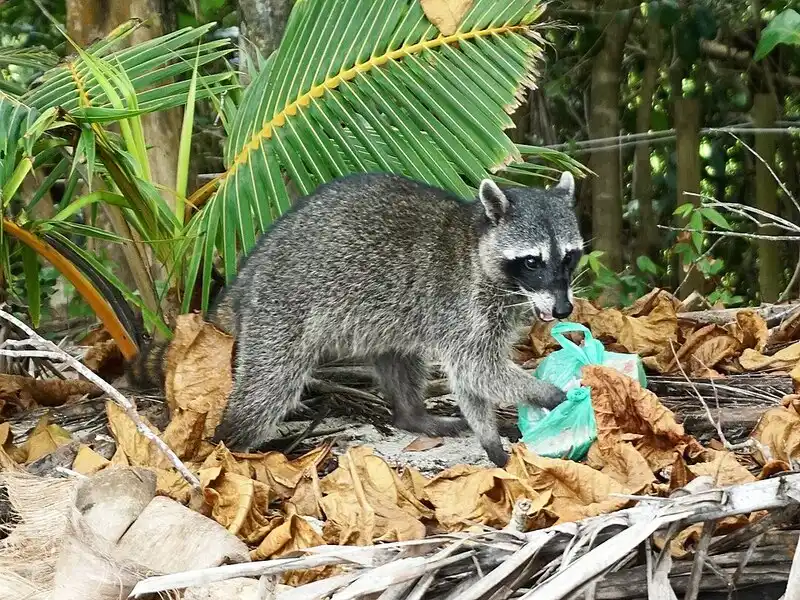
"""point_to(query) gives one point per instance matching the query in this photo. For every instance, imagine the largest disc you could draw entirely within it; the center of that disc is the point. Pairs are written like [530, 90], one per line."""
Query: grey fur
[386, 268]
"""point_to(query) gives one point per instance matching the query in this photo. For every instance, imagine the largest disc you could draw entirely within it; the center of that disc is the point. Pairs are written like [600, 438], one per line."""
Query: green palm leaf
[359, 85]
[33, 58]
[152, 68]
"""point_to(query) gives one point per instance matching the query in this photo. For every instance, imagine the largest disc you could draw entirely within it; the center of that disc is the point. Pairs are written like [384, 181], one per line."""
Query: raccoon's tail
[147, 370]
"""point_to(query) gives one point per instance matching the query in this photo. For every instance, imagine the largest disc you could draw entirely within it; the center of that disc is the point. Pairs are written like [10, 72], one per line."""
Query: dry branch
[46, 349]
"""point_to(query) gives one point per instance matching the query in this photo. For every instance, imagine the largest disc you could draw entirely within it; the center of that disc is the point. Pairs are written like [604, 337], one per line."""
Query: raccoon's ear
[493, 199]
[567, 185]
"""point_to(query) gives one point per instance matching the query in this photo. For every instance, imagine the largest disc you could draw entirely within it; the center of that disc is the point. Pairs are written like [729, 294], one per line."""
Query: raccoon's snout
[549, 307]
[562, 309]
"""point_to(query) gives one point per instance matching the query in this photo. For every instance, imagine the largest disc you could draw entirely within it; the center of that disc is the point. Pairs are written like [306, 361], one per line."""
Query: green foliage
[379, 93]
[383, 92]
[783, 29]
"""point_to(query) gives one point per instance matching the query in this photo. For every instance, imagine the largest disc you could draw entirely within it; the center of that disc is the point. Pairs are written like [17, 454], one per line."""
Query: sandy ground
[452, 451]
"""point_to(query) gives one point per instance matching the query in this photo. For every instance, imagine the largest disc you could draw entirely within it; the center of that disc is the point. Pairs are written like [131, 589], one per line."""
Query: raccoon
[399, 273]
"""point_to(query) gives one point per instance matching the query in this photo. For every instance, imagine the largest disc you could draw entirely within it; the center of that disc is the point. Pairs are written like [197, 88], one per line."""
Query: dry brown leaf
[294, 534]
[722, 466]
[703, 350]
[679, 475]
[184, 433]
[779, 430]
[281, 474]
[784, 360]
[751, 330]
[542, 343]
[7, 461]
[224, 459]
[88, 461]
[138, 450]
[423, 443]
[307, 497]
[170, 483]
[646, 304]
[44, 439]
[446, 14]
[414, 481]
[198, 373]
[774, 467]
[648, 335]
[5, 433]
[578, 491]
[237, 503]
[24, 391]
[365, 501]
[623, 463]
[624, 409]
[466, 495]
[684, 544]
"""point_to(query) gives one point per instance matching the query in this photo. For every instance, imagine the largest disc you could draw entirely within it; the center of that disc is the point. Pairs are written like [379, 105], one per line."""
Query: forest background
[679, 117]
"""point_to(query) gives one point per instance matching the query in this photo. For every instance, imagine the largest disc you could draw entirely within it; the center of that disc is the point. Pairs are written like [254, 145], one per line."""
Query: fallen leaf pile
[670, 344]
[278, 505]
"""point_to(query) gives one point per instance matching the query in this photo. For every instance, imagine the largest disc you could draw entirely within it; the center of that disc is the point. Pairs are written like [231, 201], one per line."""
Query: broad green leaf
[646, 265]
[684, 209]
[713, 215]
[783, 29]
[358, 85]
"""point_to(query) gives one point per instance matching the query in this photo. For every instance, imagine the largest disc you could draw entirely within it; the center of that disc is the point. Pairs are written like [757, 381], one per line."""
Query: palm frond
[32, 58]
[358, 85]
[156, 70]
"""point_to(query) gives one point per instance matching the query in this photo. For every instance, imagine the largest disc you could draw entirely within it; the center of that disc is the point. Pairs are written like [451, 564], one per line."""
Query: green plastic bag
[569, 430]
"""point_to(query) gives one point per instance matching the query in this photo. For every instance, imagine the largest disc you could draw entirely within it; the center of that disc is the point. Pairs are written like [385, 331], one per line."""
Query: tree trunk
[687, 131]
[647, 240]
[262, 23]
[604, 123]
[765, 110]
[88, 21]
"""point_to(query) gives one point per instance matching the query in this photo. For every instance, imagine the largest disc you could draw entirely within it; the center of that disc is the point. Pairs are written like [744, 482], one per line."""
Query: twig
[693, 589]
[47, 349]
[714, 423]
[771, 172]
[298, 439]
[743, 563]
[739, 234]
[792, 282]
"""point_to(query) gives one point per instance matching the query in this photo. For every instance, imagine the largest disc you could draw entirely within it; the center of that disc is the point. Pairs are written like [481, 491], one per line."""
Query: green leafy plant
[382, 92]
[783, 29]
[385, 91]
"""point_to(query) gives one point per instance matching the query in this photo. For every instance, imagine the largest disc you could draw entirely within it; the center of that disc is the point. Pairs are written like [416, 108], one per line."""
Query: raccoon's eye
[534, 262]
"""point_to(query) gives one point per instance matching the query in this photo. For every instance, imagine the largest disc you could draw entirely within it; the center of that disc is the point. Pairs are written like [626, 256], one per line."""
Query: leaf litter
[280, 505]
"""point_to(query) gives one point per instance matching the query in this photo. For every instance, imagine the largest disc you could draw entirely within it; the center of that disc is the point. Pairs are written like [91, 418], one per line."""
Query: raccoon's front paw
[550, 395]
[496, 453]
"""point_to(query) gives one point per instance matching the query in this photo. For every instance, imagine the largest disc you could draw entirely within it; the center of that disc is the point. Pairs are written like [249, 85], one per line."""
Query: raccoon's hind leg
[270, 375]
[402, 379]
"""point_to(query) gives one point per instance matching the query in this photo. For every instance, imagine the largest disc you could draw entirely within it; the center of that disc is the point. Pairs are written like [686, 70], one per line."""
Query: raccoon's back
[373, 227]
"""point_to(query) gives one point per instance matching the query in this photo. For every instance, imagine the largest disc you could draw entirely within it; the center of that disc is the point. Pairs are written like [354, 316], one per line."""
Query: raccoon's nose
[562, 309]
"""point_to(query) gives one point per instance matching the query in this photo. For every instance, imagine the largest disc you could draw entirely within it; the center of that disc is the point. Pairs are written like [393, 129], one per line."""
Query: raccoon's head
[530, 243]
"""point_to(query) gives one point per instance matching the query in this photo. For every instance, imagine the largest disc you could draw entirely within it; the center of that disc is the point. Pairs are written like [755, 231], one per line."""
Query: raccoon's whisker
[526, 303]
